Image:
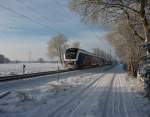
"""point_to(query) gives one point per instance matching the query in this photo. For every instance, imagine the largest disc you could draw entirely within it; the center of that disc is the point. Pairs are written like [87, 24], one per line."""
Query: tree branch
[111, 4]
[131, 27]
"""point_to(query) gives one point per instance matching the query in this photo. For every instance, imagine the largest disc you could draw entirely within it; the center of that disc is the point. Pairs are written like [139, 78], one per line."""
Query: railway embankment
[31, 75]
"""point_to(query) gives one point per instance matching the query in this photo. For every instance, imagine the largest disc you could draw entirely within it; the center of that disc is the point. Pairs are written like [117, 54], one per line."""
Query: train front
[70, 57]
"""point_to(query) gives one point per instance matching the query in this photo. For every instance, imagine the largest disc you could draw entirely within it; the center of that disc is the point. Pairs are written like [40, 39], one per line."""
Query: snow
[23, 100]
[17, 68]
[83, 93]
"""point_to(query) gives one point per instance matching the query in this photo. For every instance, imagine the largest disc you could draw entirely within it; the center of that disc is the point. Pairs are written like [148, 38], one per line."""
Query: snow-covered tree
[57, 45]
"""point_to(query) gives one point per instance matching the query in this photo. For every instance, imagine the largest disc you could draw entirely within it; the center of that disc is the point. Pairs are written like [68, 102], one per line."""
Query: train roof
[86, 52]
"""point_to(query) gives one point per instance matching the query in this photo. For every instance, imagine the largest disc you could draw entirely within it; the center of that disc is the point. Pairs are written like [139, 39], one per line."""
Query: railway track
[75, 99]
[26, 76]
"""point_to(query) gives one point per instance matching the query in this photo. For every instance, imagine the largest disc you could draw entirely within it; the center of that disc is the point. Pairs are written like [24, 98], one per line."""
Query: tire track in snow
[89, 106]
[104, 111]
[74, 100]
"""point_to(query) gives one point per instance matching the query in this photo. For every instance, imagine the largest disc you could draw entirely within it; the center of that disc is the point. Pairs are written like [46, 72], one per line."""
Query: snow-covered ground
[17, 68]
[83, 93]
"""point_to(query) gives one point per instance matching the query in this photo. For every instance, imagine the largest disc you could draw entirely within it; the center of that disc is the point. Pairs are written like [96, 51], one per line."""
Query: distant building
[3, 59]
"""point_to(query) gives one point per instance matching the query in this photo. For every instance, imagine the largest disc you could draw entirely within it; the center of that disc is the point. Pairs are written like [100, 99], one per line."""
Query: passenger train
[75, 57]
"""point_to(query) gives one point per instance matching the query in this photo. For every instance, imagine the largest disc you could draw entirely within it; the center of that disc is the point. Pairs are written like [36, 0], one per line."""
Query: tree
[112, 11]
[98, 52]
[3, 59]
[126, 45]
[134, 13]
[57, 45]
[75, 45]
[41, 60]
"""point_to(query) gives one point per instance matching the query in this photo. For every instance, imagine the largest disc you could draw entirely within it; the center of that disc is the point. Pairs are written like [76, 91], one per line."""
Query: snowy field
[13, 69]
[82, 93]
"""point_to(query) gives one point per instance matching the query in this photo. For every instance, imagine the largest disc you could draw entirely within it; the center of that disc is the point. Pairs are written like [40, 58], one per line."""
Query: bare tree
[75, 44]
[41, 60]
[111, 11]
[99, 52]
[126, 45]
[57, 45]
[134, 13]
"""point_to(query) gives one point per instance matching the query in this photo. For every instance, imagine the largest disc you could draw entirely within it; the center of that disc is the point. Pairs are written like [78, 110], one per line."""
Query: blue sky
[27, 25]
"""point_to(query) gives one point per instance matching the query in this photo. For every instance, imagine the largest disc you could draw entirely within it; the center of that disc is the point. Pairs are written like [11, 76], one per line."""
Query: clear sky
[27, 25]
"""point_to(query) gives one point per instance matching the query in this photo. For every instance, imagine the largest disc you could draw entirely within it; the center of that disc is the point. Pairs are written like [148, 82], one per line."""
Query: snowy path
[107, 97]
[90, 93]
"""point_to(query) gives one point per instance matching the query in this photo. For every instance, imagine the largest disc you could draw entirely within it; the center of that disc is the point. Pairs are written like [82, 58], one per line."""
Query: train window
[71, 54]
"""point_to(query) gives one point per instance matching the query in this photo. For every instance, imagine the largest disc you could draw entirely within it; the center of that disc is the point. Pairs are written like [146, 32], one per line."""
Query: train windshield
[71, 53]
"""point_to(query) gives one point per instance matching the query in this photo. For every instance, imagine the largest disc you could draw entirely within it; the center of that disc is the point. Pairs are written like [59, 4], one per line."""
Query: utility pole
[29, 55]
[58, 76]
[110, 55]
